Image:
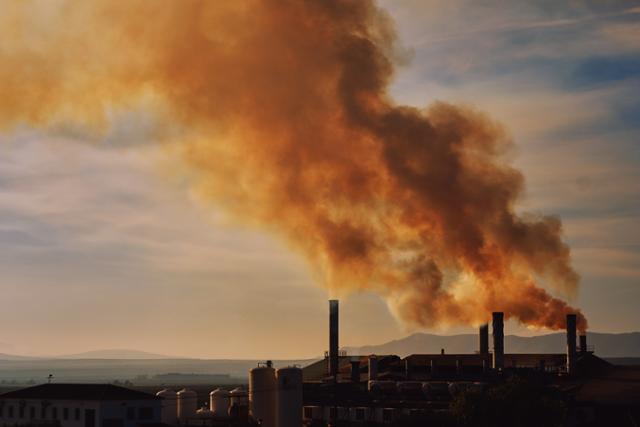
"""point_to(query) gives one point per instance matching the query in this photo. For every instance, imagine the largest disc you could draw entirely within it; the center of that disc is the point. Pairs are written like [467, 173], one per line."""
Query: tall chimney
[333, 337]
[498, 340]
[373, 368]
[484, 339]
[571, 343]
[583, 343]
[355, 371]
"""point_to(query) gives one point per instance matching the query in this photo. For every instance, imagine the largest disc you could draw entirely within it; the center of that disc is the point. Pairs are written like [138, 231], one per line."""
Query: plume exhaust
[280, 111]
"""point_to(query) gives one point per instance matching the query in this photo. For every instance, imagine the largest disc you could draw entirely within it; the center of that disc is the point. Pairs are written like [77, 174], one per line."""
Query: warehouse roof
[78, 392]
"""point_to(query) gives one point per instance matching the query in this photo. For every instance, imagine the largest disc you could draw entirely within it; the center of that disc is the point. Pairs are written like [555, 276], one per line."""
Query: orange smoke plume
[285, 121]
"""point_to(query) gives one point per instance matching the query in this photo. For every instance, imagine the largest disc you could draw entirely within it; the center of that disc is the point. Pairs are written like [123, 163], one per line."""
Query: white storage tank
[289, 398]
[219, 402]
[187, 404]
[263, 394]
[169, 411]
[238, 396]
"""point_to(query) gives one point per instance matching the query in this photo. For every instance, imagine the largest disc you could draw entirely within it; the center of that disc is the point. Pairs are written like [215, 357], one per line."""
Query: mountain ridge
[626, 344]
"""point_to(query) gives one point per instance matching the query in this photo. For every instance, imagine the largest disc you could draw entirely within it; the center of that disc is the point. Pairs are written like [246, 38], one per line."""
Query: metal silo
[187, 404]
[169, 411]
[289, 413]
[219, 402]
[262, 394]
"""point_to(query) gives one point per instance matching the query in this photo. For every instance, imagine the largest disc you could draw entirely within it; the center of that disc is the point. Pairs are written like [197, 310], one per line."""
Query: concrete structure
[79, 405]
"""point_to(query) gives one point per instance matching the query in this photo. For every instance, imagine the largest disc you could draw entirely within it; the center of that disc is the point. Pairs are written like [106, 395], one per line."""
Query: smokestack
[373, 368]
[583, 343]
[333, 337]
[355, 371]
[571, 343]
[484, 339]
[498, 340]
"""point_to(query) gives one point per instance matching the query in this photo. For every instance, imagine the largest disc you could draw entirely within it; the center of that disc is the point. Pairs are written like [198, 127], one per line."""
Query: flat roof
[78, 392]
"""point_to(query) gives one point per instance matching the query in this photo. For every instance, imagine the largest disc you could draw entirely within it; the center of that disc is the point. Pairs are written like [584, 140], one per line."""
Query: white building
[79, 405]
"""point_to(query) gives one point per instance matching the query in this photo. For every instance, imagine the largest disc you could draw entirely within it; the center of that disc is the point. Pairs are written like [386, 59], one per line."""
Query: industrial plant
[339, 390]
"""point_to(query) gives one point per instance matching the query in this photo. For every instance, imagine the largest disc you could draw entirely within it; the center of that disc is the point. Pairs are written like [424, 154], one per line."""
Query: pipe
[498, 340]
[333, 338]
[571, 343]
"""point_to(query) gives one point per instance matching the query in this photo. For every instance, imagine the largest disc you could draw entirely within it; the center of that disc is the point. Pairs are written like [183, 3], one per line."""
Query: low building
[79, 405]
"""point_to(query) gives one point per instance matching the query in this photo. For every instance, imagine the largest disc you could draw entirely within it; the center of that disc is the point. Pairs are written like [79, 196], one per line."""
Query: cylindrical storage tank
[219, 402]
[262, 395]
[289, 413]
[238, 396]
[169, 411]
[187, 404]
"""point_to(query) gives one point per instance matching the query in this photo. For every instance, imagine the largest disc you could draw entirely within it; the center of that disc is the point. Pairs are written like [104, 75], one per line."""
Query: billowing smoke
[285, 122]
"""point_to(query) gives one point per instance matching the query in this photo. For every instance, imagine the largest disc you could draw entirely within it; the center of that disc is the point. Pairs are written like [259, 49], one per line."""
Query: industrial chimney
[498, 340]
[484, 339]
[333, 338]
[583, 343]
[571, 343]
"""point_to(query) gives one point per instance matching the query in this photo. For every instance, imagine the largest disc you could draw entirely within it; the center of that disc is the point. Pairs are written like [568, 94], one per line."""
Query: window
[1, 411]
[131, 413]
[43, 412]
[360, 414]
[77, 414]
[21, 412]
[54, 413]
[308, 412]
[10, 411]
[65, 414]
[32, 412]
[145, 413]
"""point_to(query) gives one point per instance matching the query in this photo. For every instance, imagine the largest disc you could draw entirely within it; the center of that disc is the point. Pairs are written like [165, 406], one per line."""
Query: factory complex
[350, 390]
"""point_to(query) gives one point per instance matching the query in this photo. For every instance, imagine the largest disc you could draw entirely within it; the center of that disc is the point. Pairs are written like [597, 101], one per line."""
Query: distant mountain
[116, 353]
[605, 344]
[4, 356]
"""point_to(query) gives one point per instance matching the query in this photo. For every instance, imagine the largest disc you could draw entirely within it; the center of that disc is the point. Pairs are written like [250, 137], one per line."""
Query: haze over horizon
[103, 243]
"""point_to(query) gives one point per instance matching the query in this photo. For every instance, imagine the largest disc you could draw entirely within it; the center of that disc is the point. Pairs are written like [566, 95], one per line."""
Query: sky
[104, 245]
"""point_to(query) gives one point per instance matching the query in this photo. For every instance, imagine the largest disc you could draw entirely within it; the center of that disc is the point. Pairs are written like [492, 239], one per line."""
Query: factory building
[342, 390]
[79, 405]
